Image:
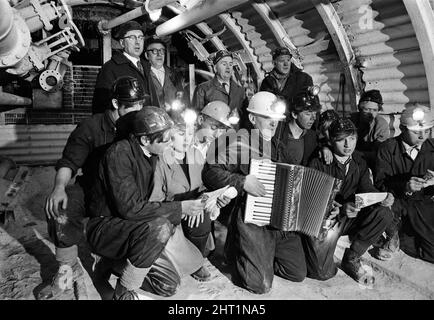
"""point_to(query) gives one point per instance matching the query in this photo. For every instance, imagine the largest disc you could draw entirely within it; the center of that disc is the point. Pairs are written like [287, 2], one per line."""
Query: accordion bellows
[298, 198]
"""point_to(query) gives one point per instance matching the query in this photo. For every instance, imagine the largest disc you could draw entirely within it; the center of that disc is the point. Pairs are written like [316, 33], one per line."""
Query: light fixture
[418, 114]
[234, 117]
[154, 15]
[190, 116]
[279, 107]
[313, 90]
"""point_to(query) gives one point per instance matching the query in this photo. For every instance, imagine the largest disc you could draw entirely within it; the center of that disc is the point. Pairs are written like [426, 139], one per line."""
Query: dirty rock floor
[27, 262]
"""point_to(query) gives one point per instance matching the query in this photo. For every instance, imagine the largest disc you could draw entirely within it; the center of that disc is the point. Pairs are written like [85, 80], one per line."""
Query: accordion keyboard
[258, 209]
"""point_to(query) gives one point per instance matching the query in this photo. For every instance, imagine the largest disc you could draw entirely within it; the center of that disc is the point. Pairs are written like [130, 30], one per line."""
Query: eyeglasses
[135, 38]
[156, 51]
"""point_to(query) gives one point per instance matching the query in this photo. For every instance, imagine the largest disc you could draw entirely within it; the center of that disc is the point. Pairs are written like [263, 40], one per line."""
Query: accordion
[298, 198]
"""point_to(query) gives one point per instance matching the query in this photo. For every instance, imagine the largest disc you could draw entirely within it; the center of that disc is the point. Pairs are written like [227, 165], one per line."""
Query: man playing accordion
[259, 252]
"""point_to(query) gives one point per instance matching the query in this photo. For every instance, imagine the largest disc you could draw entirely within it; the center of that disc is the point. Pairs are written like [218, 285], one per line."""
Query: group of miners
[147, 176]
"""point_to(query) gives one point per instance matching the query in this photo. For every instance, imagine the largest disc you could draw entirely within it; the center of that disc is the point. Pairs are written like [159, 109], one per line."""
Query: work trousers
[364, 230]
[156, 243]
[417, 231]
[198, 235]
[261, 252]
[68, 228]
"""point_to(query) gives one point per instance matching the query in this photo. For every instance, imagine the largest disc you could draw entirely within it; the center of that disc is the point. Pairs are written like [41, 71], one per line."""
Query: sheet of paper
[367, 199]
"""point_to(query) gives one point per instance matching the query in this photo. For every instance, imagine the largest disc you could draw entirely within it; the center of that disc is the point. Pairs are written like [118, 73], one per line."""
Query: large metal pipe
[14, 36]
[195, 15]
[8, 99]
[8, 31]
[135, 13]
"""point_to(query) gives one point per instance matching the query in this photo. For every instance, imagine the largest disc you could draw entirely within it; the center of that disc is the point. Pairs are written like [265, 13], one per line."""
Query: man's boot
[69, 270]
[122, 293]
[202, 274]
[388, 248]
[131, 279]
[352, 266]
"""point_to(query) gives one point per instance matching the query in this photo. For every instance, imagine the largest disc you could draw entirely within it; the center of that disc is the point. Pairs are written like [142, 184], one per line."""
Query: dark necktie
[226, 86]
[414, 152]
[140, 67]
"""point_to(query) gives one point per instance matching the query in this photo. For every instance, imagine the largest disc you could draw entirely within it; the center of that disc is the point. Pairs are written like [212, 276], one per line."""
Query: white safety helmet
[218, 110]
[267, 105]
[417, 117]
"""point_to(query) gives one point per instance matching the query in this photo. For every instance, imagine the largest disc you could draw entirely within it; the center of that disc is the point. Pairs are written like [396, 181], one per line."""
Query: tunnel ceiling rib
[280, 34]
[306, 29]
[202, 26]
[422, 18]
[233, 24]
[342, 44]
[385, 43]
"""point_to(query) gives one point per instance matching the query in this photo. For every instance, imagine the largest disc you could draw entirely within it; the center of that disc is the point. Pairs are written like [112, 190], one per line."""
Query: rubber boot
[352, 266]
[202, 274]
[62, 284]
[122, 293]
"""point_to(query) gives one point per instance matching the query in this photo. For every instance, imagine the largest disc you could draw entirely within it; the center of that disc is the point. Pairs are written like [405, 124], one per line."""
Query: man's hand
[254, 187]
[194, 221]
[415, 184]
[192, 207]
[326, 154]
[58, 196]
[223, 201]
[350, 210]
[388, 202]
[335, 210]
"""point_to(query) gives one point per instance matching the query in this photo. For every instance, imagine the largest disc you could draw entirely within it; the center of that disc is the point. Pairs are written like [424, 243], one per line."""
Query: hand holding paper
[217, 199]
[367, 199]
[429, 178]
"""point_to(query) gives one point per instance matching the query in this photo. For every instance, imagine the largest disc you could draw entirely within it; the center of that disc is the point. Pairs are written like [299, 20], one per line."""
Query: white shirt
[412, 151]
[227, 87]
[159, 73]
[134, 60]
[342, 160]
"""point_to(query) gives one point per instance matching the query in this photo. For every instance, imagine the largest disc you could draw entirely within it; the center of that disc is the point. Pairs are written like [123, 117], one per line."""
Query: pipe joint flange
[51, 80]
[101, 29]
[21, 44]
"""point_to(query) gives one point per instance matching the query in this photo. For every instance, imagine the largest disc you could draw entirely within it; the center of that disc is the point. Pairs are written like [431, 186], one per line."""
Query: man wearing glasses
[164, 85]
[123, 63]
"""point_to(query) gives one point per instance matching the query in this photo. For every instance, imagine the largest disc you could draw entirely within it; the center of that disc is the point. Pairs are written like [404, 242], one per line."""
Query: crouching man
[364, 226]
[124, 224]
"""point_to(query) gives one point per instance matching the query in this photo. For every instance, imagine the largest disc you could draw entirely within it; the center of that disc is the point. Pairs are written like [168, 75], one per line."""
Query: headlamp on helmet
[234, 117]
[417, 118]
[189, 116]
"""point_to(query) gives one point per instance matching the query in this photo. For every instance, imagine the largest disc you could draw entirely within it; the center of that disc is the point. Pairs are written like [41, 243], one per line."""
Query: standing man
[221, 87]
[164, 85]
[295, 141]
[67, 205]
[123, 63]
[285, 80]
[404, 167]
[258, 252]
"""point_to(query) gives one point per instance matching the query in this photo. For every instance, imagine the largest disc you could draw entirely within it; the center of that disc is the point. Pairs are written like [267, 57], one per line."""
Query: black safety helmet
[304, 101]
[341, 128]
[128, 89]
[150, 120]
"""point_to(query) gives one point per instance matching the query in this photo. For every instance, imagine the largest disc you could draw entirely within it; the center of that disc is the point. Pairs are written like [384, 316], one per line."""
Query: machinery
[36, 39]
